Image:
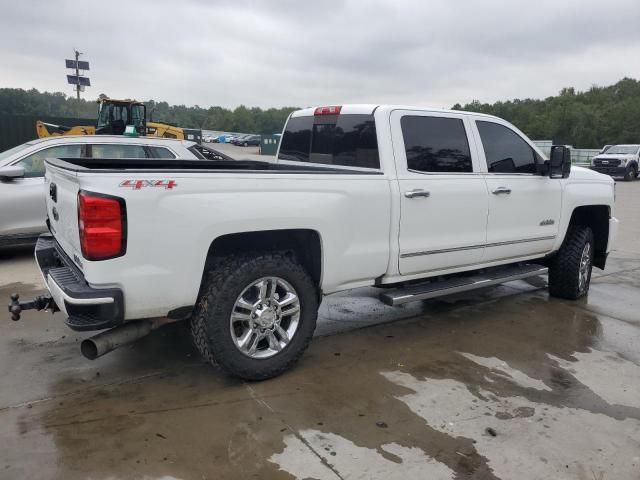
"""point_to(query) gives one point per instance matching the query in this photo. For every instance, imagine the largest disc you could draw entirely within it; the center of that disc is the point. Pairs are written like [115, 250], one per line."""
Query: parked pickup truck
[416, 202]
[618, 161]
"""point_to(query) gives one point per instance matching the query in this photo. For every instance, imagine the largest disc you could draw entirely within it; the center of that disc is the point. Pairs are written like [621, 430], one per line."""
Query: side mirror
[560, 162]
[11, 171]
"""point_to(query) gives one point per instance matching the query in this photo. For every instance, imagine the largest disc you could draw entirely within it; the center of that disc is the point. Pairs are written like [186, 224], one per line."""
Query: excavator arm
[155, 129]
[51, 130]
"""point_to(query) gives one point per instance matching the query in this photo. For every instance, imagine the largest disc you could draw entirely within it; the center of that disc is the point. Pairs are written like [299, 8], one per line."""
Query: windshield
[111, 113]
[622, 150]
[103, 115]
[137, 115]
[8, 153]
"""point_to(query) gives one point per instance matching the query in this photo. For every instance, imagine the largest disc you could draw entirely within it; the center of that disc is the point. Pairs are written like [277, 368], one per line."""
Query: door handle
[417, 193]
[502, 191]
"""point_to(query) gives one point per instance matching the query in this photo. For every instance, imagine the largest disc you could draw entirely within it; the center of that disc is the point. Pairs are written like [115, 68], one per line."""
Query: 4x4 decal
[139, 184]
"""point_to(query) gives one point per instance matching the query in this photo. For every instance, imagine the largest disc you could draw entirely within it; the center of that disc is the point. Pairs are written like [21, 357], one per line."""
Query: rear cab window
[348, 140]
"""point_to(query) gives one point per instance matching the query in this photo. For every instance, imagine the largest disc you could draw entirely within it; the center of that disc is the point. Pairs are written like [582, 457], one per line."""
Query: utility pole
[77, 76]
[77, 53]
[79, 81]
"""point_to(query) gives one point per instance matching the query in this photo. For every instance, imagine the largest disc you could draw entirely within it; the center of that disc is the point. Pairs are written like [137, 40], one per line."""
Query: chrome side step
[457, 283]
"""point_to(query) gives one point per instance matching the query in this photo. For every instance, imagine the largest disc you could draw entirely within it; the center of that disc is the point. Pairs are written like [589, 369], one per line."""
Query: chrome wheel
[265, 317]
[585, 268]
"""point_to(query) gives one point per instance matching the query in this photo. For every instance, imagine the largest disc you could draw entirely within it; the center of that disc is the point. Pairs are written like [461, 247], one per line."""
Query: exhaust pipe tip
[109, 340]
[89, 349]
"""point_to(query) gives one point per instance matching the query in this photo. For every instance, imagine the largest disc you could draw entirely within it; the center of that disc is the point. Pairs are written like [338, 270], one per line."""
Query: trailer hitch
[41, 302]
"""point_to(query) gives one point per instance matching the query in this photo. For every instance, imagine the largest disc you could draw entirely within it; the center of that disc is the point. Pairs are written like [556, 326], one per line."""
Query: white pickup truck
[618, 161]
[418, 202]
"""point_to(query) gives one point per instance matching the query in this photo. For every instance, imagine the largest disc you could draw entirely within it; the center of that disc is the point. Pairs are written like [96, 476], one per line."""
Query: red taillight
[101, 220]
[330, 110]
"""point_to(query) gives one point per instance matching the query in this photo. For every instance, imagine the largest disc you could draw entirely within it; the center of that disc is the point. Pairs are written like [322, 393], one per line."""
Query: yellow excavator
[115, 117]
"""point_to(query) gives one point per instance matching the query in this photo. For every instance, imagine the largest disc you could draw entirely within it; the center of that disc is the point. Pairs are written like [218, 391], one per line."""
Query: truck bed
[151, 165]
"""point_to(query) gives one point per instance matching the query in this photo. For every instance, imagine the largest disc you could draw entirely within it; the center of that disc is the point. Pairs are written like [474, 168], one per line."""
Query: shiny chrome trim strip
[444, 250]
[474, 247]
[537, 239]
[515, 257]
[514, 174]
[444, 173]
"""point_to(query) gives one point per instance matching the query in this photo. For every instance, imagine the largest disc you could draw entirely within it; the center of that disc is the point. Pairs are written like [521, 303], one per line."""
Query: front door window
[34, 164]
[505, 150]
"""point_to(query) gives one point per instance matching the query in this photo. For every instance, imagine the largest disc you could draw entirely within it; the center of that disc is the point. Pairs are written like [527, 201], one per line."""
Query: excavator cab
[115, 115]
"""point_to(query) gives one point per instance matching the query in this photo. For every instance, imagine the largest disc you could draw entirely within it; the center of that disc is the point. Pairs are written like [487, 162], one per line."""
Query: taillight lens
[102, 223]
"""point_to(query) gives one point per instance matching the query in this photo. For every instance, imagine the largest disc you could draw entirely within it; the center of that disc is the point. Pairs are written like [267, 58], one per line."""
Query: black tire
[210, 323]
[199, 336]
[565, 268]
[631, 174]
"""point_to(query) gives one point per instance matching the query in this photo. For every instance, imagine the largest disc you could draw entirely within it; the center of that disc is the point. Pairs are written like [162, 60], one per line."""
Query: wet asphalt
[501, 383]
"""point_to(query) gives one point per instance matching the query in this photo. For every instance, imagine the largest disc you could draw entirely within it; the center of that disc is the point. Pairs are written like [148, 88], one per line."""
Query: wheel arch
[304, 244]
[597, 218]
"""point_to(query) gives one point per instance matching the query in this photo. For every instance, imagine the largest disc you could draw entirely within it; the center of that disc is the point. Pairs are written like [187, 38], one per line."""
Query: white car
[416, 202]
[22, 189]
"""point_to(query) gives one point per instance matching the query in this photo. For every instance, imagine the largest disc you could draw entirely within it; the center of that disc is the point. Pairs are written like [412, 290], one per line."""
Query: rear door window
[436, 144]
[115, 150]
[346, 140]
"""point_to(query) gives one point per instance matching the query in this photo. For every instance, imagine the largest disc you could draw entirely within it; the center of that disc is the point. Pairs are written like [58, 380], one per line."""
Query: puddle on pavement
[341, 458]
[495, 366]
[391, 400]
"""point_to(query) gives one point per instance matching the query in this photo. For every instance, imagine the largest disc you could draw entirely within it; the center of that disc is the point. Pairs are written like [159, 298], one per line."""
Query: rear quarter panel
[170, 230]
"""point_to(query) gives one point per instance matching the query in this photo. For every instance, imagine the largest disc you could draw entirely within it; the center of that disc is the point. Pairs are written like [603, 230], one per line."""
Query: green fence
[17, 129]
[193, 134]
[269, 144]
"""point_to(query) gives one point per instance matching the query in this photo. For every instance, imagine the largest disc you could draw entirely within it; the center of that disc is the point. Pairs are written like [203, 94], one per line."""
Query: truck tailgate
[62, 209]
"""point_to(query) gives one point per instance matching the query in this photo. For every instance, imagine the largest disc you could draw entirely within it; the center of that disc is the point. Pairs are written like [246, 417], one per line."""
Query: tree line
[589, 119]
[16, 101]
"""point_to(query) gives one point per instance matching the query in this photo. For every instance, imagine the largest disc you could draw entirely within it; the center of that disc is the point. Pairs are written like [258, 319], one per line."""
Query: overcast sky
[299, 53]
